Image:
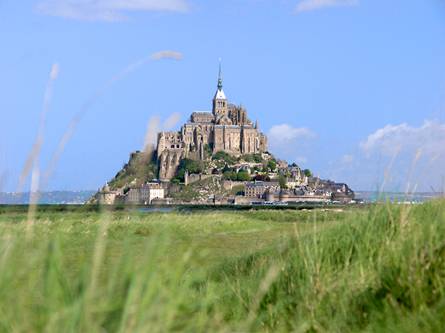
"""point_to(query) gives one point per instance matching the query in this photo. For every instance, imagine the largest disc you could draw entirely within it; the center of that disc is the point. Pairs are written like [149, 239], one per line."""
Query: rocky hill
[211, 152]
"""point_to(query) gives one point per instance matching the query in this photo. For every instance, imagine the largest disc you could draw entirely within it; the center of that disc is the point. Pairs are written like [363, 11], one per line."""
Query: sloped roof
[220, 94]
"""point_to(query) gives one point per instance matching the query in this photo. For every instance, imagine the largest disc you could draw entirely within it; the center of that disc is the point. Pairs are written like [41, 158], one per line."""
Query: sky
[352, 89]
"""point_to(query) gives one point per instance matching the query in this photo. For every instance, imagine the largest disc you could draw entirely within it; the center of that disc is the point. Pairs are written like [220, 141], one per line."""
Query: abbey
[227, 128]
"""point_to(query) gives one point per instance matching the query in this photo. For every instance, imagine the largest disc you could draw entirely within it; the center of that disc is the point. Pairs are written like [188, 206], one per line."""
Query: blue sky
[346, 88]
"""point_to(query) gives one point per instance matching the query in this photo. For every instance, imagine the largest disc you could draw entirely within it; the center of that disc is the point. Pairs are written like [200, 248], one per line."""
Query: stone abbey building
[227, 128]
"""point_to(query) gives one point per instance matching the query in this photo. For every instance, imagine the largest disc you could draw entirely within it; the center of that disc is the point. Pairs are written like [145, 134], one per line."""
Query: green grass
[381, 268]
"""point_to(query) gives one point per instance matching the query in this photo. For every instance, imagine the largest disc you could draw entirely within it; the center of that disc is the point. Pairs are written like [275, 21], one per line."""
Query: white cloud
[428, 139]
[285, 133]
[290, 142]
[167, 54]
[308, 5]
[347, 159]
[397, 158]
[106, 10]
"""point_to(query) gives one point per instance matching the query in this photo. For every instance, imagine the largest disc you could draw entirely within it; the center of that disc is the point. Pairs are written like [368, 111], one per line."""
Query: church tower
[220, 106]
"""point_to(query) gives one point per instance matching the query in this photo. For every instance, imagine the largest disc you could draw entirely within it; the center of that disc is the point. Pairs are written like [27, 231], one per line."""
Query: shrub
[283, 182]
[223, 156]
[243, 176]
[272, 165]
[307, 172]
[192, 166]
[230, 175]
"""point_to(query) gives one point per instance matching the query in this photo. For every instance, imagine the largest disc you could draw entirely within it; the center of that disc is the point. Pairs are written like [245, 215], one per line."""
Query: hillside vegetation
[373, 269]
[140, 169]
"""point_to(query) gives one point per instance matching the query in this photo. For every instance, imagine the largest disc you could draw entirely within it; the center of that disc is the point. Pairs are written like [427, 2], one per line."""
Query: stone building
[145, 194]
[227, 128]
[258, 189]
[133, 196]
[150, 192]
[106, 196]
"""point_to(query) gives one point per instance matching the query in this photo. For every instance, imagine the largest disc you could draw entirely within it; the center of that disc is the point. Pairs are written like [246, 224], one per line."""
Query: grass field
[379, 268]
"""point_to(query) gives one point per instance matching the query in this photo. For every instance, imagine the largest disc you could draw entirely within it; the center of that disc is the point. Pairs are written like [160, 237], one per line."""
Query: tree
[307, 173]
[180, 174]
[243, 176]
[282, 181]
[248, 158]
[257, 158]
[238, 190]
[191, 166]
[208, 150]
[230, 175]
[272, 165]
[222, 155]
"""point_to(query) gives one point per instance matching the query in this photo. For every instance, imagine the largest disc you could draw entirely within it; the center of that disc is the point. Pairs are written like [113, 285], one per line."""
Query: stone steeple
[220, 85]
[220, 100]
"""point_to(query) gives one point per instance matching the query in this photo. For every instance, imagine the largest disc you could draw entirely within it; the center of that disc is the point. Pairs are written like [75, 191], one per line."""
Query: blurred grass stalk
[32, 164]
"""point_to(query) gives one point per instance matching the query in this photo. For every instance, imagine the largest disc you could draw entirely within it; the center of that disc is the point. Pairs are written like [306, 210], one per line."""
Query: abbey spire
[220, 85]
[220, 100]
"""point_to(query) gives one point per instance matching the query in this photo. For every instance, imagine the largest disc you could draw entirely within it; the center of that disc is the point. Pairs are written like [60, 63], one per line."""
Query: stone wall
[193, 178]
[230, 184]
[169, 163]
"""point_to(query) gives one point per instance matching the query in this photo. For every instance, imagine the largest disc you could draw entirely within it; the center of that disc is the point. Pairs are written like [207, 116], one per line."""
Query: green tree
[223, 156]
[191, 166]
[282, 181]
[230, 175]
[243, 176]
[208, 150]
[307, 173]
[248, 158]
[257, 158]
[272, 165]
[180, 174]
